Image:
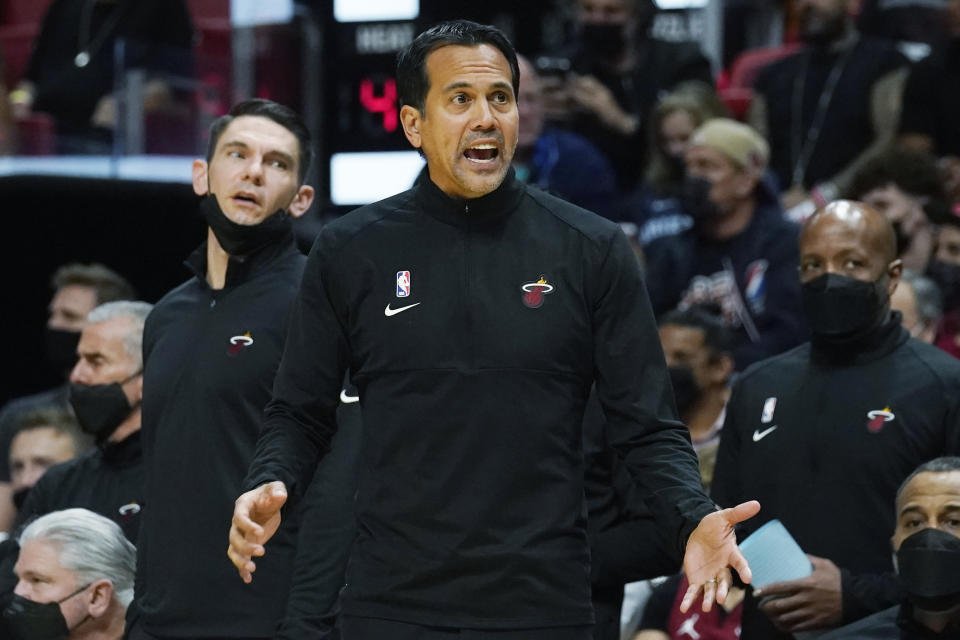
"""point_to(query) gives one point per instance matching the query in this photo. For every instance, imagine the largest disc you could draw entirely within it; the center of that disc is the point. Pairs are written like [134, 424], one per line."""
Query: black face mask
[840, 307]
[695, 199]
[100, 408]
[29, 620]
[60, 349]
[947, 277]
[686, 392]
[241, 239]
[20, 496]
[603, 40]
[929, 566]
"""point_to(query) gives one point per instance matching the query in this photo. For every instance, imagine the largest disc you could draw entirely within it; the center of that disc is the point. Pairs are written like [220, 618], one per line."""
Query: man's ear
[894, 270]
[200, 180]
[301, 201]
[411, 117]
[746, 183]
[721, 369]
[101, 595]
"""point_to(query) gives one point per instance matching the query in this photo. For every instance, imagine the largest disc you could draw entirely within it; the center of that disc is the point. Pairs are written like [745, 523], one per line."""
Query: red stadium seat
[738, 94]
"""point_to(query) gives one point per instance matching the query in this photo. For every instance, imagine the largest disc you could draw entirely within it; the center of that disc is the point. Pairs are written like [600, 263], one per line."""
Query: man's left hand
[813, 602]
[711, 551]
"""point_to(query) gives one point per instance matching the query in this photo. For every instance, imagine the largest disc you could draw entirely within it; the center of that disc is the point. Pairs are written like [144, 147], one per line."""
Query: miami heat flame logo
[237, 343]
[533, 292]
[877, 418]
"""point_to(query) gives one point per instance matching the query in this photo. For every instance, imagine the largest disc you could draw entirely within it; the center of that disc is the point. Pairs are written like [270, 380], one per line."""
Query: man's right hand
[256, 517]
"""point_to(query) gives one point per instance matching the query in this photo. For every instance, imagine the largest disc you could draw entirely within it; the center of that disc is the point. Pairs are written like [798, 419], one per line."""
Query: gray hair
[926, 295]
[137, 312]
[91, 546]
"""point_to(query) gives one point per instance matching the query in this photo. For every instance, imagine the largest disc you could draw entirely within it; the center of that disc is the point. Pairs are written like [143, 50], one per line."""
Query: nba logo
[403, 284]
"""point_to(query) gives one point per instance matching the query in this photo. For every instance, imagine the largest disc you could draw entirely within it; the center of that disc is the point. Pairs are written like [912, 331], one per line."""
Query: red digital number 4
[385, 103]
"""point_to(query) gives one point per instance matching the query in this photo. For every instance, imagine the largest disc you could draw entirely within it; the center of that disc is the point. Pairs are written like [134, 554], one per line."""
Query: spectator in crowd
[829, 107]
[618, 73]
[210, 352]
[911, 22]
[931, 101]
[437, 544]
[106, 388]
[556, 160]
[75, 573]
[696, 345]
[43, 438]
[907, 188]
[654, 209]
[926, 544]
[740, 255]
[917, 298]
[944, 269]
[826, 432]
[78, 288]
[663, 620]
[71, 72]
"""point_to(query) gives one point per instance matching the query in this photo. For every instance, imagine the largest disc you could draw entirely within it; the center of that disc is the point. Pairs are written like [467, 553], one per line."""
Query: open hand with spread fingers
[711, 551]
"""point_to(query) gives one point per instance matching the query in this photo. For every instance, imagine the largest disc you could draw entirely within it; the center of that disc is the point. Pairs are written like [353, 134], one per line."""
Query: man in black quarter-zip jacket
[474, 314]
[211, 349]
[825, 433]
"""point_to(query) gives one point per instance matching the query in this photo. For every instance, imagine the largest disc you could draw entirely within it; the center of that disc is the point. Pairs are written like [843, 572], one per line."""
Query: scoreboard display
[367, 156]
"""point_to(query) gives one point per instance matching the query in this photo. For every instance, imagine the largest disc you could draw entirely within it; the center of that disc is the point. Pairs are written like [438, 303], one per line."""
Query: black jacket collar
[870, 346]
[459, 212]
[240, 269]
[127, 452]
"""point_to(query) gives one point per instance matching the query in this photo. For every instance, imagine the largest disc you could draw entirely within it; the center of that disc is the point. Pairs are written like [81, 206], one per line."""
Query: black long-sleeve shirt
[107, 480]
[823, 437]
[473, 330]
[209, 361]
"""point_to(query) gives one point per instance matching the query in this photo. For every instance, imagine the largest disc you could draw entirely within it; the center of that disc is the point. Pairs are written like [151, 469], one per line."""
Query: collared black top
[473, 331]
[209, 361]
[823, 436]
[895, 623]
[107, 480]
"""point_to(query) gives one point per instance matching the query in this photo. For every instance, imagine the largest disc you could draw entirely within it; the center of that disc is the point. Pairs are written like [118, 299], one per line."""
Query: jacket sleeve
[326, 535]
[866, 594]
[634, 391]
[725, 488]
[300, 420]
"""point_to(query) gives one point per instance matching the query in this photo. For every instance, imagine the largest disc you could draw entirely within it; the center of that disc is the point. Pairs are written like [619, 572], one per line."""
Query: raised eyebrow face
[272, 154]
[499, 85]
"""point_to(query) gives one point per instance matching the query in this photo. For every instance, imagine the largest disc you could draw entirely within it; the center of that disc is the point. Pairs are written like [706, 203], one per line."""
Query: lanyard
[802, 147]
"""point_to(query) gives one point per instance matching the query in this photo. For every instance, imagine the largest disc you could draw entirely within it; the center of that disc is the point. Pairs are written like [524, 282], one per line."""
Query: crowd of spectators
[804, 267]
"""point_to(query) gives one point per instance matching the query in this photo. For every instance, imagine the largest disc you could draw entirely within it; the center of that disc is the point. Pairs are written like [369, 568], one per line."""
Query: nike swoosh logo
[392, 312]
[345, 399]
[760, 435]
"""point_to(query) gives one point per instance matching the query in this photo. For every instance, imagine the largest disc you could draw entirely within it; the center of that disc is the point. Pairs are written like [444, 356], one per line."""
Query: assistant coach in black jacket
[211, 349]
[474, 314]
[824, 434]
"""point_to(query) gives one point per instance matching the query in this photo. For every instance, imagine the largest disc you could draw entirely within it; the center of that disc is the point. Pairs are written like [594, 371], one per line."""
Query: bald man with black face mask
[825, 433]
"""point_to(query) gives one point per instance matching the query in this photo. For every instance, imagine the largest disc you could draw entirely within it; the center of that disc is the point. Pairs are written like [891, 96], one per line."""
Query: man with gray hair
[75, 579]
[918, 299]
[106, 388]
